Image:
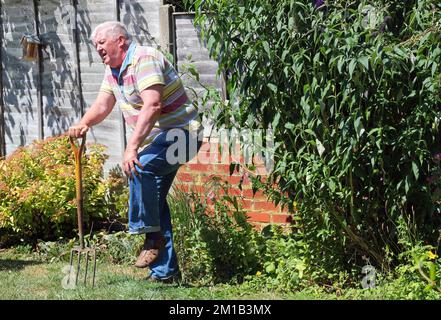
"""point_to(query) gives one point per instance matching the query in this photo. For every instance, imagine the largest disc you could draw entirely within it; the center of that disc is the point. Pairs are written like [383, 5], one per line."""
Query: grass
[26, 277]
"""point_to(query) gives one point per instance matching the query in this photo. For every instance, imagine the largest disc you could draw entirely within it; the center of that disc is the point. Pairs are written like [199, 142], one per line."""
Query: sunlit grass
[24, 276]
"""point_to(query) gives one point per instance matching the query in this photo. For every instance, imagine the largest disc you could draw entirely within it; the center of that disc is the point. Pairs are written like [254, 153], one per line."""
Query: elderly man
[154, 104]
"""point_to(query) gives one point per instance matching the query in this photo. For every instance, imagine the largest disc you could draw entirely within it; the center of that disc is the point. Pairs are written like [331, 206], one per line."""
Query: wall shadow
[61, 94]
[133, 16]
[19, 76]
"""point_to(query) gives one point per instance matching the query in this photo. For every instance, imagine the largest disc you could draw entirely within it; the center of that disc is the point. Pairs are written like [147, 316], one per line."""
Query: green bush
[352, 93]
[214, 243]
[37, 190]
[119, 247]
[54, 251]
[283, 267]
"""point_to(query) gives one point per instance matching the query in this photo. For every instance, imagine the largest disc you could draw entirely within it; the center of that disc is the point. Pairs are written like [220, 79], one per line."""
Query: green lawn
[27, 277]
[24, 276]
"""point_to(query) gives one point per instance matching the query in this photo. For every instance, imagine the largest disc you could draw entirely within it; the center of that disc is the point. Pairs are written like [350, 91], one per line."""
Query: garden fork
[82, 249]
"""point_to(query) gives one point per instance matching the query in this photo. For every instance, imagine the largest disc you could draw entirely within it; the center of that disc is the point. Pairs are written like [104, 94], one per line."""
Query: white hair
[114, 29]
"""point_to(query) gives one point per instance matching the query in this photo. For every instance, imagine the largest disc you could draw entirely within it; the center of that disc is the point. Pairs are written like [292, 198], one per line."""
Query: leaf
[332, 186]
[359, 129]
[270, 268]
[211, 42]
[266, 47]
[320, 147]
[352, 66]
[276, 121]
[415, 170]
[434, 67]
[273, 87]
[289, 126]
[301, 267]
[432, 271]
[194, 72]
[233, 167]
[364, 62]
[407, 184]
[340, 64]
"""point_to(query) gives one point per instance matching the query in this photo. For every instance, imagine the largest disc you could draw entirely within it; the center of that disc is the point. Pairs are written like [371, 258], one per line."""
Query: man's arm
[99, 110]
[152, 105]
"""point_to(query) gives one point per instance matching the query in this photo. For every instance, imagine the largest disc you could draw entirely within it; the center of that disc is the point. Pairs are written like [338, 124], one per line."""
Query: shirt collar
[127, 61]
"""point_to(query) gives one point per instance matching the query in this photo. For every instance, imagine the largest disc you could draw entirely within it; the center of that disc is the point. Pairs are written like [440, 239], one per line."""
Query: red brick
[211, 178]
[259, 226]
[285, 209]
[247, 204]
[199, 189]
[200, 167]
[181, 187]
[210, 153]
[248, 193]
[262, 205]
[224, 168]
[258, 217]
[209, 209]
[206, 157]
[281, 218]
[235, 180]
[184, 168]
[186, 177]
[234, 191]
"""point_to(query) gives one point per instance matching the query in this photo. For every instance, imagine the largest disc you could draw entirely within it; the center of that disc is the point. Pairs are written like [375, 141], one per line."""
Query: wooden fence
[43, 98]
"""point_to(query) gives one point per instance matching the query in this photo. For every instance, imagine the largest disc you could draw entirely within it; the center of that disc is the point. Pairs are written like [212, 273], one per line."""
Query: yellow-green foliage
[37, 188]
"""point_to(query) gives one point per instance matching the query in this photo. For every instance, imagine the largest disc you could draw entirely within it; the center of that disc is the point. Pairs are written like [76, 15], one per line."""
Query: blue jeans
[148, 208]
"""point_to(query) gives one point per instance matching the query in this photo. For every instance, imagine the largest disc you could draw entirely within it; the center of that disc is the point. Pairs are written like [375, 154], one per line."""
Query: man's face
[109, 48]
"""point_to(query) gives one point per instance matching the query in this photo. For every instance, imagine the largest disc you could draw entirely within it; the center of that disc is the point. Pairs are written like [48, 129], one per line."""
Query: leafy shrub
[213, 240]
[352, 94]
[117, 195]
[37, 190]
[417, 277]
[189, 219]
[119, 247]
[283, 267]
[54, 251]
[111, 247]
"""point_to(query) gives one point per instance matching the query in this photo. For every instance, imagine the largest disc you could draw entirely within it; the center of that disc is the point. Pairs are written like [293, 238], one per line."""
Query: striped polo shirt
[143, 67]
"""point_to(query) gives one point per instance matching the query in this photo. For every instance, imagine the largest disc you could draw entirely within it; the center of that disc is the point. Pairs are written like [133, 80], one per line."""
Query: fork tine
[70, 266]
[87, 266]
[78, 267]
[94, 268]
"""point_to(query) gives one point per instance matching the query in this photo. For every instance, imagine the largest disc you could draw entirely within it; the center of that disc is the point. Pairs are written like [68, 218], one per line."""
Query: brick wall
[209, 167]
[199, 174]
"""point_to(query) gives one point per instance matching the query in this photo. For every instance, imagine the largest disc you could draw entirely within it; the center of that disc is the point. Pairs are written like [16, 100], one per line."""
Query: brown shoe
[150, 252]
[173, 279]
